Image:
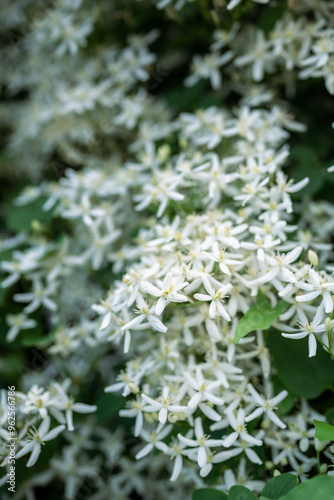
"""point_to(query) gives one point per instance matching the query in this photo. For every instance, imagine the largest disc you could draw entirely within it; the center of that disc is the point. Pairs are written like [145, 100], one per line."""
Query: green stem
[319, 463]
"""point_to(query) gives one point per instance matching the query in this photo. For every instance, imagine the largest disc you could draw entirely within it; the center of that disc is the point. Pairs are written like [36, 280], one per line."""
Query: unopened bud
[36, 225]
[328, 325]
[183, 142]
[133, 387]
[313, 258]
[284, 461]
[164, 152]
[197, 156]
[265, 423]
[151, 418]
[269, 464]
[181, 415]
[320, 445]
[277, 472]
[323, 468]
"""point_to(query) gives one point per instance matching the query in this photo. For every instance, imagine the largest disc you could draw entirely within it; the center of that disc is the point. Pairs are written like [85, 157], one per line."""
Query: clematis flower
[38, 437]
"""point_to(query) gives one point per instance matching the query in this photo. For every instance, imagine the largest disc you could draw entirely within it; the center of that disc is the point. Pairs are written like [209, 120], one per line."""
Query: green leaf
[323, 431]
[307, 165]
[240, 493]
[208, 494]
[108, 405]
[317, 488]
[259, 317]
[21, 218]
[330, 415]
[304, 376]
[279, 486]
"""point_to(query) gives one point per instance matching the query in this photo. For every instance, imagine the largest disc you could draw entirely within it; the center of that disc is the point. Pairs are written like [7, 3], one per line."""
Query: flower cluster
[295, 44]
[37, 405]
[159, 233]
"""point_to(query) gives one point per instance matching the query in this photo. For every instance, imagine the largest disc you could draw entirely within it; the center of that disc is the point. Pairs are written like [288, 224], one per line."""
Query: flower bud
[133, 387]
[323, 468]
[36, 226]
[151, 418]
[183, 142]
[164, 152]
[181, 415]
[265, 423]
[313, 258]
[328, 325]
[277, 472]
[320, 445]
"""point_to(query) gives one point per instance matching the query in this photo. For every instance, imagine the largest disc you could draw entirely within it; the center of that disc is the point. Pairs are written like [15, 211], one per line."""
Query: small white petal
[34, 455]
[202, 458]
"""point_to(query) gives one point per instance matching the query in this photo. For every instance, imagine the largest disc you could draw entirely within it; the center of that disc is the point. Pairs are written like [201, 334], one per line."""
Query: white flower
[83, 210]
[309, 329]
[280, 266]
[317, 286]
[204, 389]
[298, 431]
[36, 400]
[266, 406]
[18, 322]
[202, 444]
[224, 258]
[230, 479]
[233, 3]
[253, 189]
[216, 297]
[135, 409]
[38, 437]
[145, 313]
[208, 67]
[260, 56]
[39, 296]
[154, 440]
[21, 264]
[243, 447]
[164, 191]
[74, 469]
[176, 450]
[128, 380]
[163, 404]
[238, 424]
[67, 404]
[168, 291]
[261, 244]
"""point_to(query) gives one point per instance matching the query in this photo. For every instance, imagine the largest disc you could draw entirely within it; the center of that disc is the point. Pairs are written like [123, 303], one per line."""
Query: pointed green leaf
[317, 488]
[279, 486]
[208, 494]
[240, 493]
[323, 431]
[259, 317]
[304, 376]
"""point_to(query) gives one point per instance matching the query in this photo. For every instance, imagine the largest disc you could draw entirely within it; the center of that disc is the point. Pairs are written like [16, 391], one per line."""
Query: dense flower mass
[160, 252]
